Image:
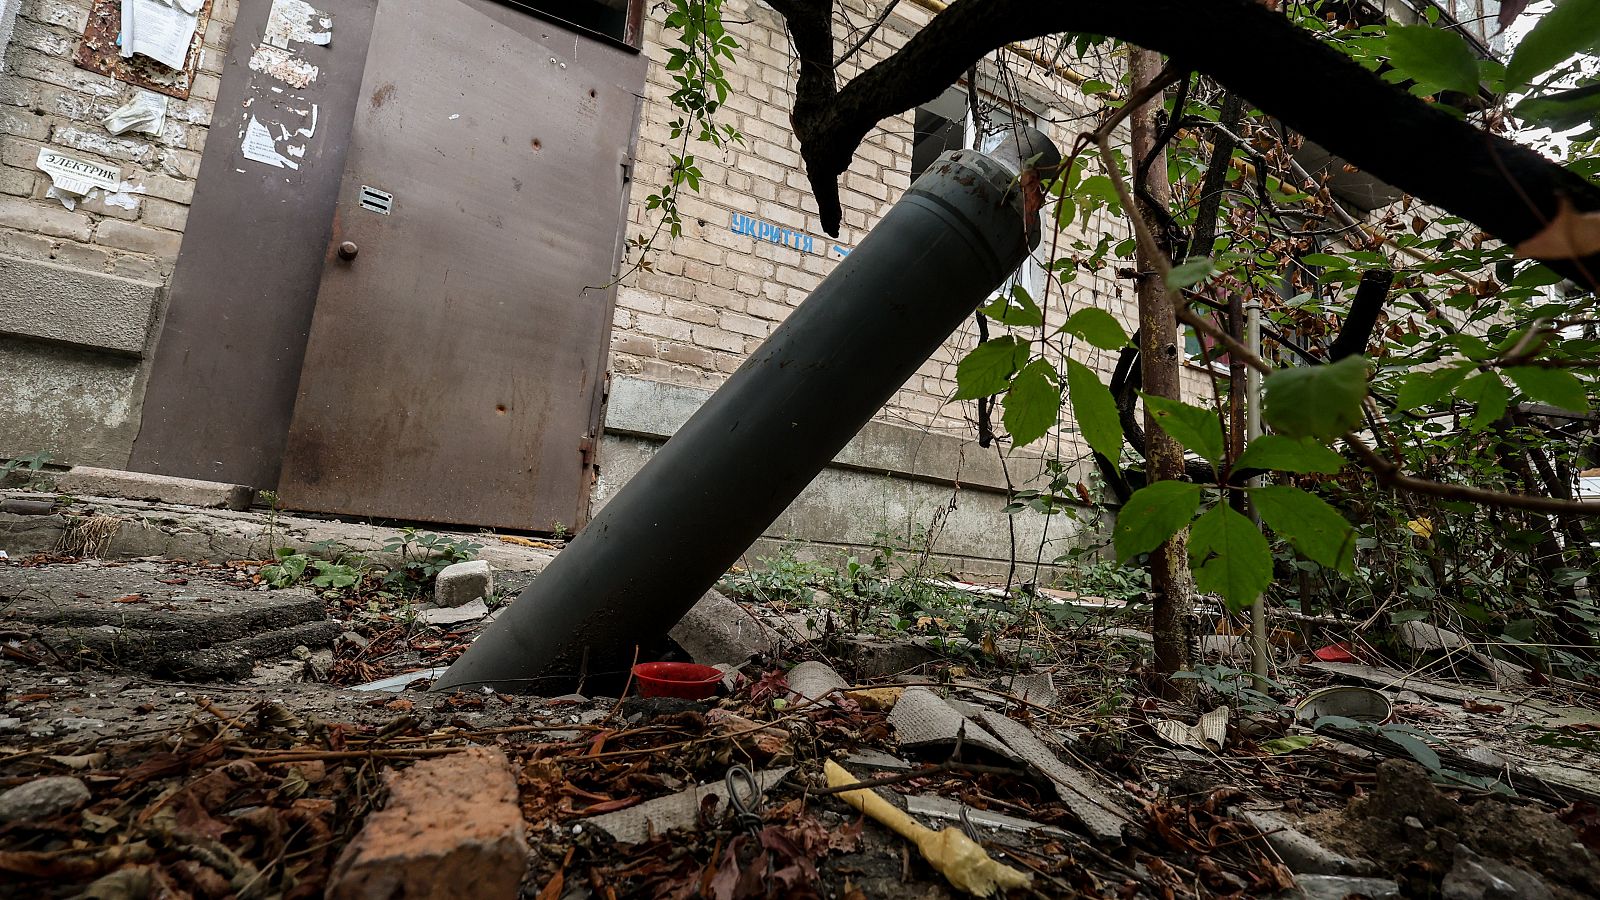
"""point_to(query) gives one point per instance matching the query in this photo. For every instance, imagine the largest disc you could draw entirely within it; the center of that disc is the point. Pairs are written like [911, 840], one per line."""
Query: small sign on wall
[739, 223]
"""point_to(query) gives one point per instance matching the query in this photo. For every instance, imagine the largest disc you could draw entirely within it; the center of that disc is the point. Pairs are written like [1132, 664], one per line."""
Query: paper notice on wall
[77, 176]
[297, 20]
[146, 112]
[158, 30]
[259, 146]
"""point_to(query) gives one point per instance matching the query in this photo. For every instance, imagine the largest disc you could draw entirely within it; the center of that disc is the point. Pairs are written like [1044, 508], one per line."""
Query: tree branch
[1507, 189]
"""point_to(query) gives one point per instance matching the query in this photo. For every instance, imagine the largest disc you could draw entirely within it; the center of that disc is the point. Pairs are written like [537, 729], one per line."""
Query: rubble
[1048, 772]
[675, 811]
[717, 630]
[462, 583]
[1475, 878]
[446, 615]
[451, 828]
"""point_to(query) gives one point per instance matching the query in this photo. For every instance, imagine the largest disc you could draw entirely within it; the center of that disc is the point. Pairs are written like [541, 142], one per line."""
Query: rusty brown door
[457, 353]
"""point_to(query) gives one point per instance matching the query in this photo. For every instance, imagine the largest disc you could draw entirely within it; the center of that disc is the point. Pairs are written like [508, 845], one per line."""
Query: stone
[718, 630]
[1474, 877]
[445, 615]
[1303, 854]
[462, 583]
[452, 828]
[1341, 887]
[88, 481]
[42, 798]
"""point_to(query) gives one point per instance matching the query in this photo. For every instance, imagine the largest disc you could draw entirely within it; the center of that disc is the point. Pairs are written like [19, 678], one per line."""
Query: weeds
[422, 557]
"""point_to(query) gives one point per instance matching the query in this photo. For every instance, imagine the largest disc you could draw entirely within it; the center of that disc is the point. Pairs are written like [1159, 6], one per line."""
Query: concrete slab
[95, 482]
[184, 532]
[124, 615]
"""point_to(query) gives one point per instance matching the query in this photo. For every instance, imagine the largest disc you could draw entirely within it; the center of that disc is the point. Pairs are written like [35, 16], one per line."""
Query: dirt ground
[253, 789]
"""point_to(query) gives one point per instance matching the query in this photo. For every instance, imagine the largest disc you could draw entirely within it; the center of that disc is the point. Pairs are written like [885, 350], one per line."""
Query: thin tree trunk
[1160, 362]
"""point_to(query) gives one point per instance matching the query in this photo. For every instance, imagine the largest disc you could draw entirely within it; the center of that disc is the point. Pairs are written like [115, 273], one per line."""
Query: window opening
[947, 124]
[618, 20]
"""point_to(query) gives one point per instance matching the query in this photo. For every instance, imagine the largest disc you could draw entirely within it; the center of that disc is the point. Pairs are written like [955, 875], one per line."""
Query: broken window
[952, 123]
[615, 19]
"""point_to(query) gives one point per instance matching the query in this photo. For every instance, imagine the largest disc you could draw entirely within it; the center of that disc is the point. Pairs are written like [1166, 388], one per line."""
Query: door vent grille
[376, 200]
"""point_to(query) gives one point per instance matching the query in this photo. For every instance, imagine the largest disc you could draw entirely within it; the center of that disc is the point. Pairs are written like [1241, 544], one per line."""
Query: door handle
[348, 250]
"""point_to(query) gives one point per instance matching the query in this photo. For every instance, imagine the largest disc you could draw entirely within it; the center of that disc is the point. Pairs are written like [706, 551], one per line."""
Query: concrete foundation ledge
[90, 481]
[68, 305]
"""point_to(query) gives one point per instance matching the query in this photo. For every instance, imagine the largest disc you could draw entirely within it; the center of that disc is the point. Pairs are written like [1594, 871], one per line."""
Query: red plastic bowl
[687, 681]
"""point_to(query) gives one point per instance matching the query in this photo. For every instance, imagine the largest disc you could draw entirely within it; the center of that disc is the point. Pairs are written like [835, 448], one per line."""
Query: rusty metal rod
[743, 457]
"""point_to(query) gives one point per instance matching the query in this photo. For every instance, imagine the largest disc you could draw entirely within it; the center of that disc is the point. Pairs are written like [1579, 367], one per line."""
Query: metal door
[457, 353]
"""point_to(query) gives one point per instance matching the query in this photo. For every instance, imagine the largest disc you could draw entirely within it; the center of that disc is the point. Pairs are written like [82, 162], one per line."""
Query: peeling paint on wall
[283, 65]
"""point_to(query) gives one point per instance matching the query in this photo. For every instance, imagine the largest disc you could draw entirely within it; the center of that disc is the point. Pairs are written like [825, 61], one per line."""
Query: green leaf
[1094, 410]
[1279, 746]
[1098, 327]
[1309, 524]
[989, 367]
[1033, 404]
[1562, 109]
[1017, 310]
[1429, 387]
[1317, 401]
[1489, 394]
[1154, 513]
[1421, 752]
[1094, 86]
[1230, 556]
[1196, 429]
[1286, 454]
[1572, 26]
[1433, 56]
[1557, 387]
[1191, 272]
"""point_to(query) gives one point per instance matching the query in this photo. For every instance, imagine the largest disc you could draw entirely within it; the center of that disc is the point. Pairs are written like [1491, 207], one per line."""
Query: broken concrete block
[812, 680]
[1102, 816]
[92, 482]
[444, 615]
[452, 828]
[718, 630]
[922, 719]
[873, 658]
[42, 798]
[462, 583]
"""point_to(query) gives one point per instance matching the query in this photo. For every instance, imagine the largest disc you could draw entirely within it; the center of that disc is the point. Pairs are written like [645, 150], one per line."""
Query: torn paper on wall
[259, 146]
[146, 112]
[282, 65]
[297, 20]
[71, 178]
[159, 30]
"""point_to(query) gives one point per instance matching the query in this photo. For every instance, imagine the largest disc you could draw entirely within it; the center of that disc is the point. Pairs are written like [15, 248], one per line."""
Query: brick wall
[46, 100]
[714, 294]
